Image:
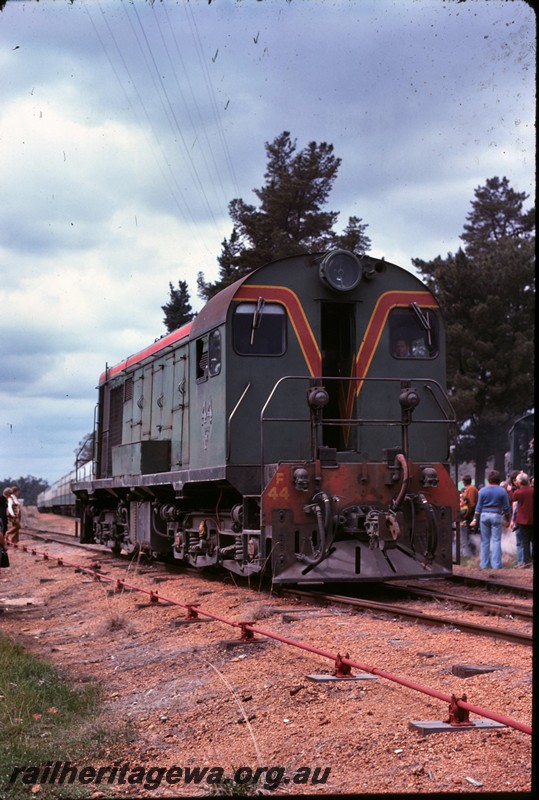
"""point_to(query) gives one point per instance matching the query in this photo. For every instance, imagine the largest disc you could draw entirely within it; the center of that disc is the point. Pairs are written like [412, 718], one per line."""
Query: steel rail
[496, 607]
[70, 540]
[417, 615]
[514, 588]
[501, 608]
[248, 629]
[513, 636]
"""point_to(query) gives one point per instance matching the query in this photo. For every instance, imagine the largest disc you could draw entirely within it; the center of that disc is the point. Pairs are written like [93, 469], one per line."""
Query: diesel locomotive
[298, 426]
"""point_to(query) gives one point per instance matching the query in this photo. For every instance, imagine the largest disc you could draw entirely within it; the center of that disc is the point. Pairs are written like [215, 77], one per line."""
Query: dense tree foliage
[29, 487]
[290, 218]
[487, 292]
[178, 310]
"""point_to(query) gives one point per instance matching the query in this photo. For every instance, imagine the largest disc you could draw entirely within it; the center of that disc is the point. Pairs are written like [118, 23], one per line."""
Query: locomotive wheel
[116, 549]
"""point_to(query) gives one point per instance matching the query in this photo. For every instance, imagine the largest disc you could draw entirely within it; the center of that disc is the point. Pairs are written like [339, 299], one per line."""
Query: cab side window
[208, 356]
[413, 332]
[214, 353]
[202, 359]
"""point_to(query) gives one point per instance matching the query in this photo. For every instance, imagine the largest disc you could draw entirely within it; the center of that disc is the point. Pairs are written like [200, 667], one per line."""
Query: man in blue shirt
[492, 506]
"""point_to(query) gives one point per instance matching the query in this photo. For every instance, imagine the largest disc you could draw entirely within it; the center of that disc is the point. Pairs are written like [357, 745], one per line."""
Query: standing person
[511, 488]
[4, 558]
[469, 497]
[3, 509]
[523, 498]
[13, 515]
[492, 505]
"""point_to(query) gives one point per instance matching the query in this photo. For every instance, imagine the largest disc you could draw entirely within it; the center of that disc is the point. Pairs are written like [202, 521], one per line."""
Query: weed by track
[44, 719]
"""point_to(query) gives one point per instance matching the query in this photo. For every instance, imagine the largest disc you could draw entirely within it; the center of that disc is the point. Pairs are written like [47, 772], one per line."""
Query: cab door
[337, 340]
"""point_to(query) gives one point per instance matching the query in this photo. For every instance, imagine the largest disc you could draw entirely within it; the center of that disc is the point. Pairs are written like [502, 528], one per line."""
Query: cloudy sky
[127, 126]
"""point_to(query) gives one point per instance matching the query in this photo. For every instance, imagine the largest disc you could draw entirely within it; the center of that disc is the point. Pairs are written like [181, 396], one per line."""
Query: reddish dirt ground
[181, 695]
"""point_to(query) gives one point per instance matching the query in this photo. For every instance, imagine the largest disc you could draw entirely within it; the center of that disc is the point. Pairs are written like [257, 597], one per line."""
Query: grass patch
[44, 719]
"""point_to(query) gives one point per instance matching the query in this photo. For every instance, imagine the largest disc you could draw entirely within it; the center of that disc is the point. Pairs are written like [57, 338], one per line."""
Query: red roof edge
[152, 350]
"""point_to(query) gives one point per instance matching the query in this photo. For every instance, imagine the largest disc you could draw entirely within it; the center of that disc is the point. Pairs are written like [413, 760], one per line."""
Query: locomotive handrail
[429, 389]
[340, 422]
[229, 421]
[263, 409]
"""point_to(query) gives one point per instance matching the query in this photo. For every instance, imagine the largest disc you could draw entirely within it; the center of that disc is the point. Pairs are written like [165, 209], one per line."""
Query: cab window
[214, 352]
[208, 356]
[259, 329]
[413, 332]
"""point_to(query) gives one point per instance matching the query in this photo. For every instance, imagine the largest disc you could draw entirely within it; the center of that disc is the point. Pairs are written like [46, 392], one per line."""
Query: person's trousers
[490, 524]
[526, 533]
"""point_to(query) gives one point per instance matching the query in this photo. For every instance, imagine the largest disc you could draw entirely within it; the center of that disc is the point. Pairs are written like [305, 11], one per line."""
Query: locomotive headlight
[317, 397]
[301, 479]
[408, 399]
[340, 270]
[429, 477]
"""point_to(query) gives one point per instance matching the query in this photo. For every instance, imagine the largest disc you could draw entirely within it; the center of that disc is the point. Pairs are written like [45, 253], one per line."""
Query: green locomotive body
[285, 429]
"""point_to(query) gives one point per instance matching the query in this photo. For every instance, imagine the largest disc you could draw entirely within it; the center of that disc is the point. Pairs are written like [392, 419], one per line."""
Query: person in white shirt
[13, 516]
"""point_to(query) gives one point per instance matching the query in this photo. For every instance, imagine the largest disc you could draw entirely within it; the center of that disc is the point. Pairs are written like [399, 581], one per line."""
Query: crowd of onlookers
[499, 507]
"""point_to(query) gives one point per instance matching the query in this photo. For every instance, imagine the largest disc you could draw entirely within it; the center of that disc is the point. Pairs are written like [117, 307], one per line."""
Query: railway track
[491, 585]
[506, 610]
[499, 607]
[133, 662]
[62, 538]
[417, 615]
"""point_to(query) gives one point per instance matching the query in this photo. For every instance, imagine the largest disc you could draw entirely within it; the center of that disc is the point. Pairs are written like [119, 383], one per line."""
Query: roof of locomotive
[158, 346]
[215, 310]
[212, 314]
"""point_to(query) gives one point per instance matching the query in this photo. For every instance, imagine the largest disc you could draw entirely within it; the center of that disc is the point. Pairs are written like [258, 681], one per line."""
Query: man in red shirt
[523, 497]
[469, 497]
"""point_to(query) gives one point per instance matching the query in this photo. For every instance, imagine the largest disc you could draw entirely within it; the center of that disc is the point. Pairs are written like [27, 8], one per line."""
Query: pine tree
[178, 310]
[487, 293]
[290, 218]
[354, 238]
[497, 214]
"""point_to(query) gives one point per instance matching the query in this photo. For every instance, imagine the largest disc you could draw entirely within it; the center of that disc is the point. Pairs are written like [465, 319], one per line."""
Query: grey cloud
[128, 186]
